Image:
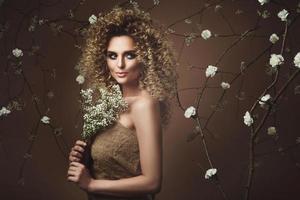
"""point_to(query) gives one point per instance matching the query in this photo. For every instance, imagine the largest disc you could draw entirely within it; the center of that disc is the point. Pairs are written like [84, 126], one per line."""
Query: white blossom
[248, 120]
[206, 34]
[45, 119]
[80, 79]
[276, 59]
[264, 99]
[272, 131]
[4, 111]
[211, 71]
[225, 85]
[262, 2]
[210, 172]
[283, 14]
[189, 112]
[156, 2]
[103, 111]
[92, 19]
[274, 38]
[297, 60]
[17, 52]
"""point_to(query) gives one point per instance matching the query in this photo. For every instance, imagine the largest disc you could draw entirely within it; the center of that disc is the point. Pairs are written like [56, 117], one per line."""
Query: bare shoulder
[145, 103]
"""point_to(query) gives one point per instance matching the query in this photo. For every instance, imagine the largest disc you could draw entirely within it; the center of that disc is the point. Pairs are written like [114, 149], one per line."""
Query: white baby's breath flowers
[225, 85]
[262, 2]
[80, 79]
[102, 112]
[92, 19]
[283, 15]
[276, 59]
[45, 119]
[297, 60]
[274, 38]
[264, 99]
[271, 131]
[210, 173]
[17, 52]
[189, 112]
[211, 71]
[4, 111]
[248, 120]
[206, 34]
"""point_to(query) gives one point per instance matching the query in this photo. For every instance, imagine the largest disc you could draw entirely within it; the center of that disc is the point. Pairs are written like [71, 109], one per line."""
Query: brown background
[277, 174]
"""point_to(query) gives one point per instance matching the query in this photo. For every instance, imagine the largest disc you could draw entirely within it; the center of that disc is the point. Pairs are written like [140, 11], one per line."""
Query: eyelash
[113, 56]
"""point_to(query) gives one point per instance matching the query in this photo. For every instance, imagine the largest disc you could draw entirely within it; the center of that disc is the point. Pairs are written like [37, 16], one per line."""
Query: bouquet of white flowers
[102, 112]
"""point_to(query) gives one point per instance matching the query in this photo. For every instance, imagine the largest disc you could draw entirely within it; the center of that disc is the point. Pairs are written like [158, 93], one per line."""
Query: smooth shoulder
[144, 103]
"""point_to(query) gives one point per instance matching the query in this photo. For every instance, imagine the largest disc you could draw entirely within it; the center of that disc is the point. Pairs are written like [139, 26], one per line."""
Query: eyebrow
[130, 51]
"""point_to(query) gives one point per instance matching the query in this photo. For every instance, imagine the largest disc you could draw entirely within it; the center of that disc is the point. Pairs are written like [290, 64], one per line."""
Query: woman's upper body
[124, 48]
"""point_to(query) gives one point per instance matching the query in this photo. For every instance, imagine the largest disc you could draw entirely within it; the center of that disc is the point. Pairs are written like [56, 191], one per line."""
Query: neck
[130, 90]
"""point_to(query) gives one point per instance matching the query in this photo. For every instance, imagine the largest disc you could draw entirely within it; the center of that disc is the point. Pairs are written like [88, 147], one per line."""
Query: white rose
[297, 60]
[210, 71]
[45, 120]
[262, 2]
[225, 85]
[190, 111]
[17, 52]
[264, 99]
[206, 34]
[248, 120]
[210, 172]
[272, 131]
[4, 111]
[274, 38]
[92, 19]
[276, 59]
[80, 79]
[283, 14]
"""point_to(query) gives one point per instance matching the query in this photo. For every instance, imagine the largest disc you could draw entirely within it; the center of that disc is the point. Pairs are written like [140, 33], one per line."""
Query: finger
[76, 154]
[72, 179]
[78, 148]
[80, 143]
[72, 173]
[76, 164]
[72, 168]
[74, 159]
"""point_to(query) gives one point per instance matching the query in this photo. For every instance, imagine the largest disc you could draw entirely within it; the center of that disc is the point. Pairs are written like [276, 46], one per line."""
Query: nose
[120, 62]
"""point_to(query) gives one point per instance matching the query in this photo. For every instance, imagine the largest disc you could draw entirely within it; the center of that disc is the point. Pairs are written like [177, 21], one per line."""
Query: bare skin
[143, 117]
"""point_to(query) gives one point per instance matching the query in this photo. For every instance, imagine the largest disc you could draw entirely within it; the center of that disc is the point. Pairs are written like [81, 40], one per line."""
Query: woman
[125, 47]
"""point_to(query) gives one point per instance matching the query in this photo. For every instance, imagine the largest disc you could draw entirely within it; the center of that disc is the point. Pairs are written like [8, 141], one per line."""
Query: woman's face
[122, 60]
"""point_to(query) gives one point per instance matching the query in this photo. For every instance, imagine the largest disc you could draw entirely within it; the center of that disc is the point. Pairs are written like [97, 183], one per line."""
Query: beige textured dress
[115, 155]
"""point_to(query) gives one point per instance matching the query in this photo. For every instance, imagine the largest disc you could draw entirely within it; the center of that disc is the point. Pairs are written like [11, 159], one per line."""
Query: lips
[121, 74]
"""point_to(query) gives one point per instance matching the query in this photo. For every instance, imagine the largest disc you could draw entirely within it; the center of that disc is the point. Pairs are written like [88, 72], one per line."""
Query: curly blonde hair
[152, 48]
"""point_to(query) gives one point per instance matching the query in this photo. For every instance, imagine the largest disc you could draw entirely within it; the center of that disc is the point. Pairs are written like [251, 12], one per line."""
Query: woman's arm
[146, 118]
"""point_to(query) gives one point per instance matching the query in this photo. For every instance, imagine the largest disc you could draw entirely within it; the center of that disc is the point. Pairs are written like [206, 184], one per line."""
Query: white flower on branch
[189, 112]
[210, 173]
[4, 111]
[271, 131]
[211, 71]
[276, 59]
[283, 14]
[80, 79]
[17, 52]
[264, 99]
[297, 60]
[156, 2]
[274, 38]
[262, 2]
[206, 34]
[248, 120]
[225, 85]
[45, 120]
[92, 19]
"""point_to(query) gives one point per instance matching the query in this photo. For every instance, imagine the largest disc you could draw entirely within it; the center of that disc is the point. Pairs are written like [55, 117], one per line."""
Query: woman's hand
[77, 151]
[80, 175]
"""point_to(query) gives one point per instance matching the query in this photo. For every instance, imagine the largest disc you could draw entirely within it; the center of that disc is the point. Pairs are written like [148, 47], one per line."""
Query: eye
[130, 55]
[112, 56]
